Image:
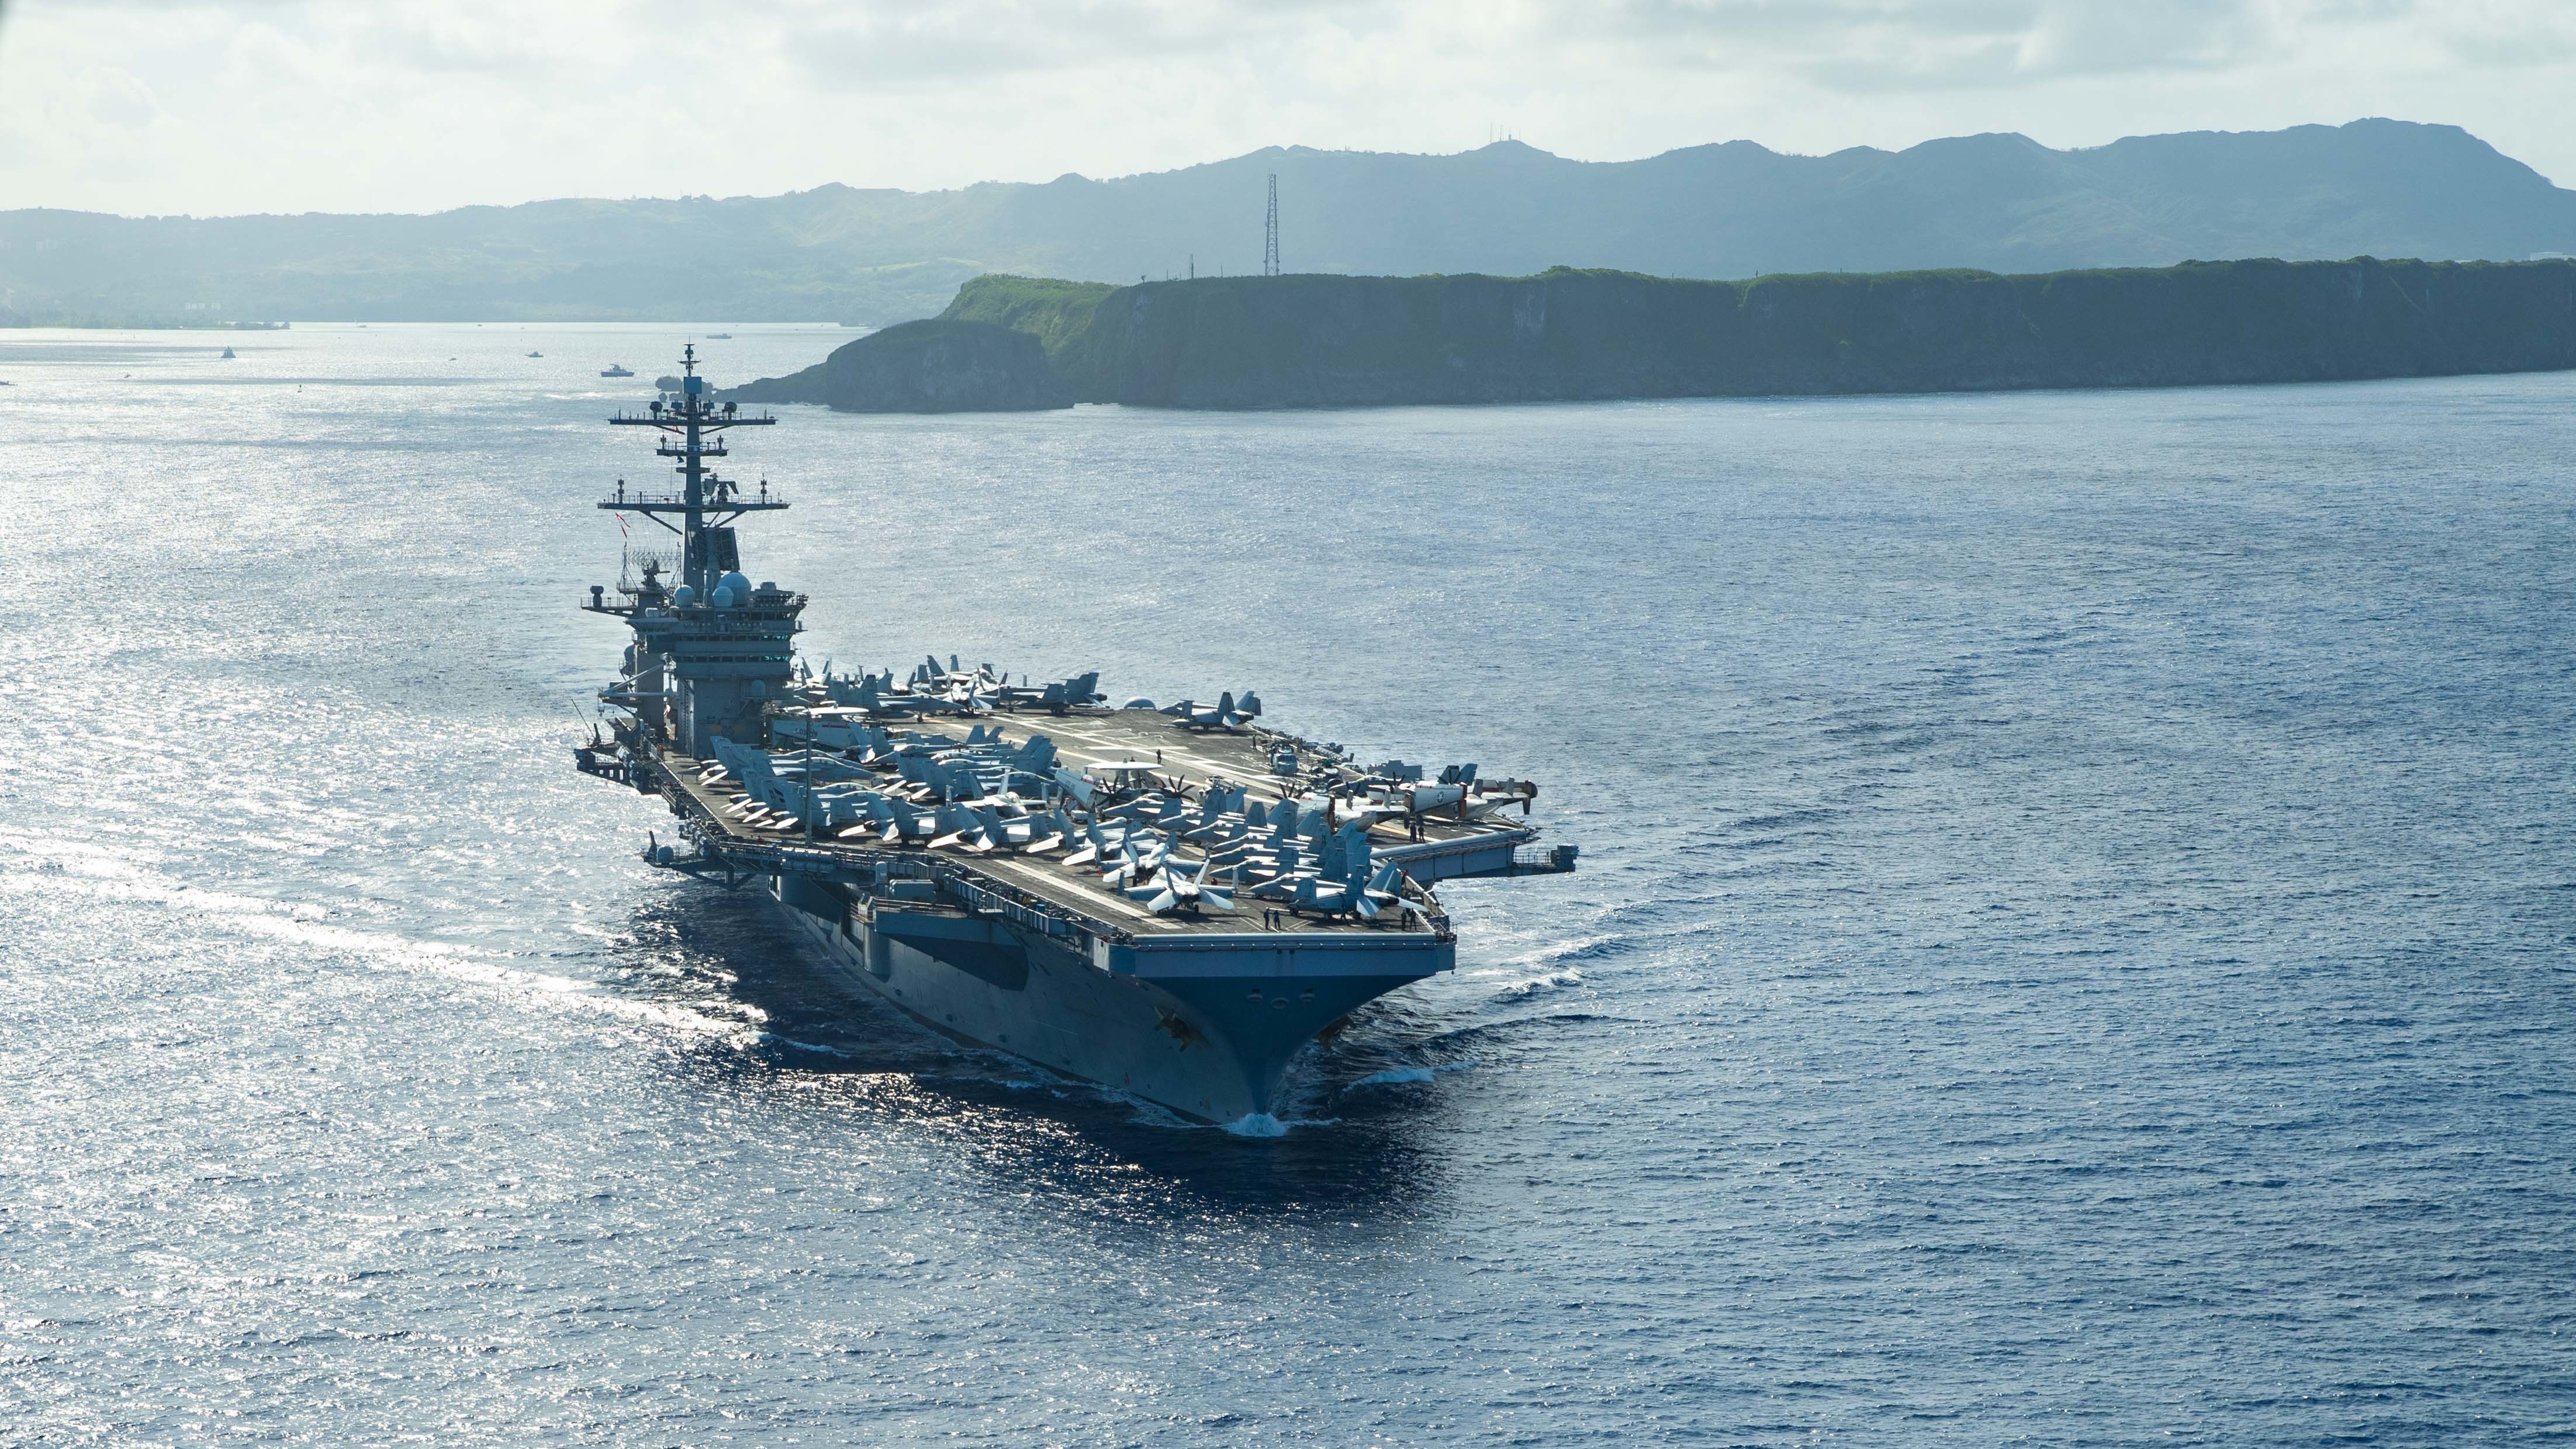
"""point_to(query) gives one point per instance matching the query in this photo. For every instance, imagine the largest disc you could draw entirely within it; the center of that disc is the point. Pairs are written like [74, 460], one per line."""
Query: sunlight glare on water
[2073, 944]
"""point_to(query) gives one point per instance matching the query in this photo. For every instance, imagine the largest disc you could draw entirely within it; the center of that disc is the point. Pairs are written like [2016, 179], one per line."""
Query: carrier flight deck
[1171, 901]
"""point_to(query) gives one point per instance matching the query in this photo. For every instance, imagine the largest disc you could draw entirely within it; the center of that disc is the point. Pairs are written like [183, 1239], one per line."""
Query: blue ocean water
[2074, 942]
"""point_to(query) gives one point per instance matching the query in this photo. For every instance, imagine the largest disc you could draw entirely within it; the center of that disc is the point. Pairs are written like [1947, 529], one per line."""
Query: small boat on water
[228, 352]
[536, 354]
[719, 337]
[616, 370]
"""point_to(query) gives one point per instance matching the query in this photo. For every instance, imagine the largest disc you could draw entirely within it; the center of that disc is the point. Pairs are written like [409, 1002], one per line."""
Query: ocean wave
[771, 1038]
[1407, 1076]
[304, 923]
[1262, 1124]
[1392, 1076]
[1532, 986]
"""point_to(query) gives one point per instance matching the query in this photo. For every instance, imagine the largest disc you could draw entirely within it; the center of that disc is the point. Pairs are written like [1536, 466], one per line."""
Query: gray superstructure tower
[1171, 903]
[713, 652]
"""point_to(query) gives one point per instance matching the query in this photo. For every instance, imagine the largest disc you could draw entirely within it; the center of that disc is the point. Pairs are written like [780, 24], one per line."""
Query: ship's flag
[621, 525]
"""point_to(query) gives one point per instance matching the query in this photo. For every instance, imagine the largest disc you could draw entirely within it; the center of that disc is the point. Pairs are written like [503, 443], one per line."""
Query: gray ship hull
[1245, 888]
[1208, 1033]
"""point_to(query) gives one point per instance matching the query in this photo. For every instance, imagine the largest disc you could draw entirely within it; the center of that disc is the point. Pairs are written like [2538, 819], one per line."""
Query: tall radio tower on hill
[1270, 232]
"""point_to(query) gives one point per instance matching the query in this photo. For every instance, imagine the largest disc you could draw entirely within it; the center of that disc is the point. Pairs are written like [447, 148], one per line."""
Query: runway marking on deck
[1102, 896]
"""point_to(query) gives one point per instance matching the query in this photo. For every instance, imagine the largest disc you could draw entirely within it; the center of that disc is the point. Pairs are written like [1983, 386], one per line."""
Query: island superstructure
[1169, 901]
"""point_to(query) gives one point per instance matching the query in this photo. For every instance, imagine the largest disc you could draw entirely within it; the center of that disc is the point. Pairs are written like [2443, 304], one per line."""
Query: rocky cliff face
[1328, 341]
[938, 365]
[1333, 341]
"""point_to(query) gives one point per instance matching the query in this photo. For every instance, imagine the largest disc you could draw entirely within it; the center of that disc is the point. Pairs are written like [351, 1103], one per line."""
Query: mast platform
[1170, 903]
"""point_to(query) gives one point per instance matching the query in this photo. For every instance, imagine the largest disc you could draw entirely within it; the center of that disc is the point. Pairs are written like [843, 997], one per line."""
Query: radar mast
[711, 655]
[693, 426]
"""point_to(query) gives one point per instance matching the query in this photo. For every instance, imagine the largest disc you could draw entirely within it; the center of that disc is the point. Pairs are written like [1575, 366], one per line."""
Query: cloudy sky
[220, 106]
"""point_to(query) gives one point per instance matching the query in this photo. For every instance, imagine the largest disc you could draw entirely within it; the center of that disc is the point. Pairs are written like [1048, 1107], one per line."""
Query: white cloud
[230, 105]
[118, 99]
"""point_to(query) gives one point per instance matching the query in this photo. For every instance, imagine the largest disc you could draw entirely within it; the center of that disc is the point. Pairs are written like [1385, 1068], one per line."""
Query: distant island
[1564, 334]
[937, 365]
[2000, 203]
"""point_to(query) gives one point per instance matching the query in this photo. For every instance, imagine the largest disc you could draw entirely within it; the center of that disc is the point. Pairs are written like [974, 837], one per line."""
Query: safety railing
[1543, 859]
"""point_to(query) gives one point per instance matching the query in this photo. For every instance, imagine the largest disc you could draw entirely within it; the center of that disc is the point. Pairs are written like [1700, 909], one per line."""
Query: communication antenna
[1270, 232]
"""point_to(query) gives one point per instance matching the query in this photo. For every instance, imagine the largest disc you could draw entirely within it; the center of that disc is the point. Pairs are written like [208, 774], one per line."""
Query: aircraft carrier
[1169, 901]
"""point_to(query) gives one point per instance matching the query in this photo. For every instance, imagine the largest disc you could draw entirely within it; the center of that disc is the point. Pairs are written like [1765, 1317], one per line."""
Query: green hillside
[1054, 312]
[1334, 341]
[935, 365]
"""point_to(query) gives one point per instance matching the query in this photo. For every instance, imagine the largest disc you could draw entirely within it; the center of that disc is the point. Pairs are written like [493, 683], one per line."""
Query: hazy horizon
[1211, 161]
[232, 107]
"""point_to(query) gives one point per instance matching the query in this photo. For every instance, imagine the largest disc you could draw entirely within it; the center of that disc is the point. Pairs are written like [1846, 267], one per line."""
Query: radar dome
[741, 586]
[724, 596]
[684, 595]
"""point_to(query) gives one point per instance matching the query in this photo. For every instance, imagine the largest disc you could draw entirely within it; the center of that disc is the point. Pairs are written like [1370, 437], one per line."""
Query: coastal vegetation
[937, 365]
[1334, 341]
[1054, 312]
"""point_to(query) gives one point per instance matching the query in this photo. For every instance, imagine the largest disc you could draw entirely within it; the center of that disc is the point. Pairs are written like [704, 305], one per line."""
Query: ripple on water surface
[2072, 941]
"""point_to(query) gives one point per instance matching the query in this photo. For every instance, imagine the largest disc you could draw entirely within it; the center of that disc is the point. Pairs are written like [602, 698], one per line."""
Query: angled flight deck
[1168, 901]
